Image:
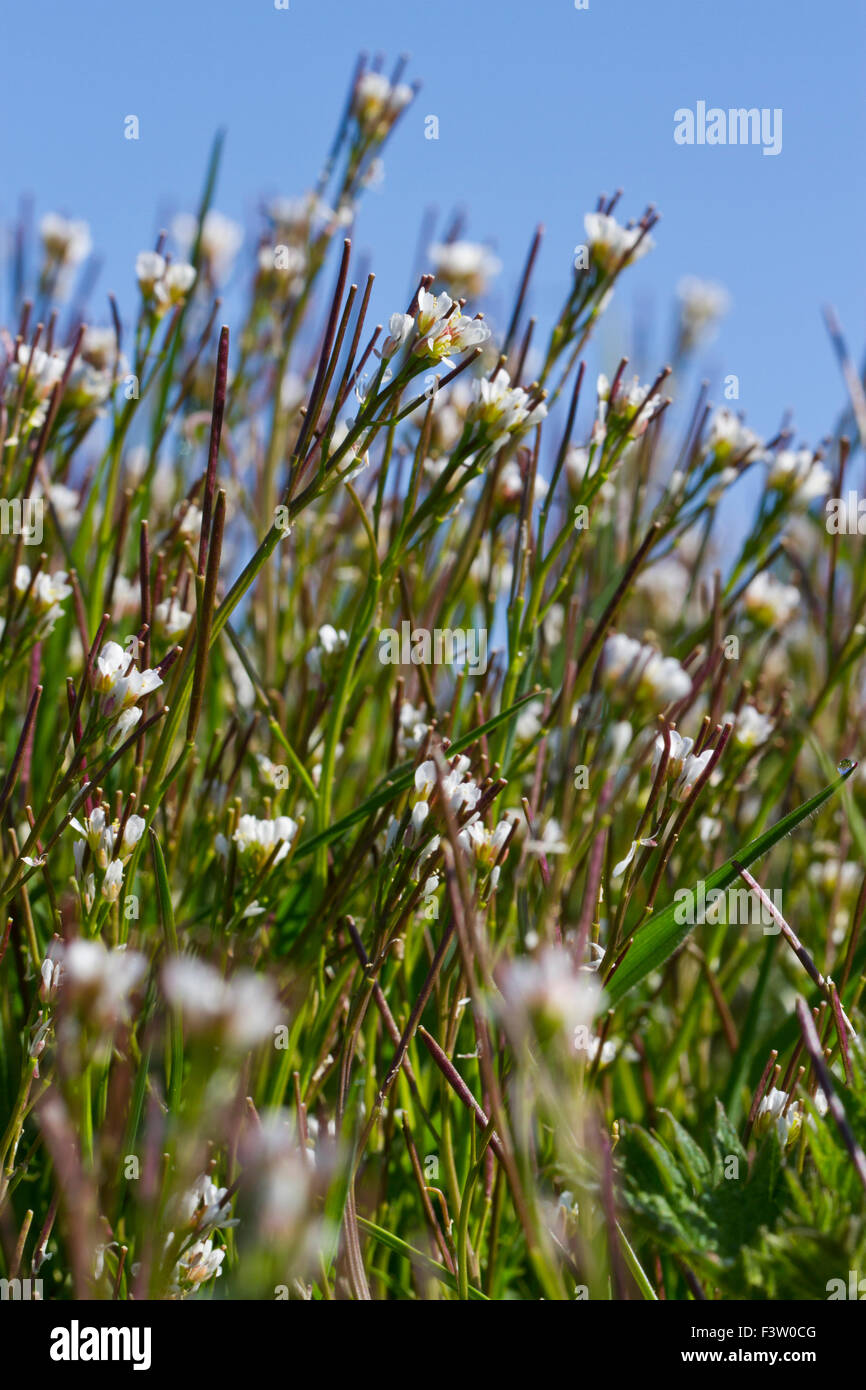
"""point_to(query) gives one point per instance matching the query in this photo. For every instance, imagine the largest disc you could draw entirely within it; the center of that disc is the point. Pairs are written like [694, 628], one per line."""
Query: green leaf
[401, 1247]
[659, 937]
[166, 912]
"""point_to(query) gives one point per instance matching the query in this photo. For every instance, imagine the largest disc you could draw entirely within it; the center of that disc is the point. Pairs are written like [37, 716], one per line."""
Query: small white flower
[769, 601]
[123, 727]
[797, 473]
[113, 881]
[643, 670]
[376, 103]
[466, 266]
[149, 269]
[679, 749]
[100, 980]
[728, 438]
[702, 304]
[549, 987]
[750, 727]
[173, 619]
[503, 409]
[221, 238]
[420, 812]
[400, 329]
[612, 244]
[242, 1012]
[66, 243]
[331, 642]
[693, 768]
[111, 662]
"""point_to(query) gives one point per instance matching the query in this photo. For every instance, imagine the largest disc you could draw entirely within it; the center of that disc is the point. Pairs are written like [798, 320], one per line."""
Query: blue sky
[540, 108]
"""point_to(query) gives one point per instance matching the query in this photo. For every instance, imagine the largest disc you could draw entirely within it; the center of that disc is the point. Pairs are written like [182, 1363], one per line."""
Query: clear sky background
[541, 107]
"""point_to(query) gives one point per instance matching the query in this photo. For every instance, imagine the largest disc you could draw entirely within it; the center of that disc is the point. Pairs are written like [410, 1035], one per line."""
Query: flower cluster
[163, 284]
[635, 670]
[120, 683]
[238, 1013]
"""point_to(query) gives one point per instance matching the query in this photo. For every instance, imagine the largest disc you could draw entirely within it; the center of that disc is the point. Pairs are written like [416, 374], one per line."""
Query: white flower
[190, 520]
[693, 768]
[100, 981]
[42, 369]
[483, 844]
[528, 723]
[777, 1107]
[50, 589]
[47, 593]
[119, 681]
[643, 669]
[750, 726]
[132, 833]
[259, 837]
[425, 778]
[123, 727]
[619, 658]
[400, 329]
[613, 245]
[65, 500]
[702, 304]
[128, 689]
[412, 729]
[728, 437]
[420, 811]
[502, 408]
[149, 268]
[443, 329]
[432, 308]
[798, 473]
[113, 881]
[97, 833]
[465, 265]
[770, 602]
[455, 334]
[66, 243]
[111, 662]
[679, 750]
[831, 874]
[632, 404]
[221, 238]
[667, 585]
[240, 1012]
[195, 1267]
[173, 619]
[175, 284]
[377, 104]
[551, 841]
[99, 346]
[205, 1207]
[550, 987]
[709, 829]
[331, 641]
